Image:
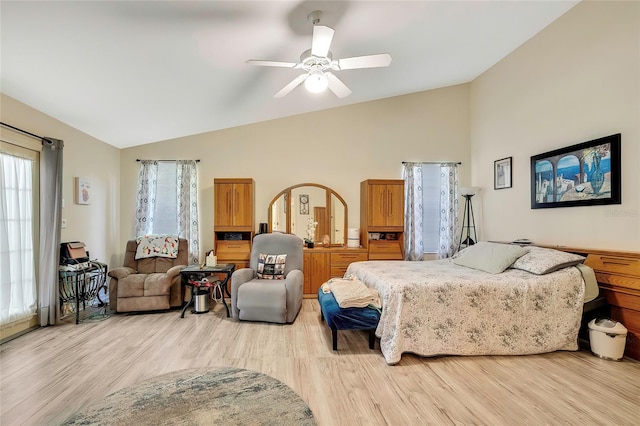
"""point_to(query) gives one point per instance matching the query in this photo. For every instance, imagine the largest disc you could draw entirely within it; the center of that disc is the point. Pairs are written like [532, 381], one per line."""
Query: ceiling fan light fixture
[317, 63]
[316, 82]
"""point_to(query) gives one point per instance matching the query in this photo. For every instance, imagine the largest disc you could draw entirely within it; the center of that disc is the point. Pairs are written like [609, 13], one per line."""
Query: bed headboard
[618, 275]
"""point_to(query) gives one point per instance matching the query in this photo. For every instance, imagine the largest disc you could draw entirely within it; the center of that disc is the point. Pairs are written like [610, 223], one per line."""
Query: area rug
[220, 396]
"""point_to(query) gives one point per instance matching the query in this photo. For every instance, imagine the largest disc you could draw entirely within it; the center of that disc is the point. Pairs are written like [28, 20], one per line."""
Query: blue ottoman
[338, 318]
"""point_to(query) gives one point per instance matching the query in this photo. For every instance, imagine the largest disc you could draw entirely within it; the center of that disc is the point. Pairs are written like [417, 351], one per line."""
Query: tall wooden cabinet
[233, 219]
[382, 218]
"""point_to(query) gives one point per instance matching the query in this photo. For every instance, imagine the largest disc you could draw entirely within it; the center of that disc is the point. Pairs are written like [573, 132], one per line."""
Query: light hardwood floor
[51, 373]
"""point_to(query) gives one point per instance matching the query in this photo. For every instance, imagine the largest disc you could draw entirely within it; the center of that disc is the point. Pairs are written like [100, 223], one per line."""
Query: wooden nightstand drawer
[616, 264]
[619, 282]
[618, 271]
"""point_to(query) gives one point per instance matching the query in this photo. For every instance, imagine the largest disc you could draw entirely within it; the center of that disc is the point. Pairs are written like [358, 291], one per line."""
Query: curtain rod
[432, 162]
[163, 161]
[22, 131]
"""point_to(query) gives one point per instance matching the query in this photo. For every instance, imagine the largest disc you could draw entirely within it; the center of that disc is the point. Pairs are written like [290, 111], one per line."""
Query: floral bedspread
[439, 308]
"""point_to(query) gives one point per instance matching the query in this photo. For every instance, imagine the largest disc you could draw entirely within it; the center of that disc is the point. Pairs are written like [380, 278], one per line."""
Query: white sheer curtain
[448, 209]
[18, 292]
[419, 213]
[164, 212]
[146, 200]
[413, 212]
[187, 180]
[50, 225]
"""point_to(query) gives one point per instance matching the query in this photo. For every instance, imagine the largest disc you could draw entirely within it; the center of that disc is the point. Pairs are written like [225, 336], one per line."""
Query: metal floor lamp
[468, 220]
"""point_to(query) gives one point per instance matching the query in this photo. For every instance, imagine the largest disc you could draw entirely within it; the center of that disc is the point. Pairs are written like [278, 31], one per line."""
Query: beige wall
[337, 148]
[96, 224]
[577, 80]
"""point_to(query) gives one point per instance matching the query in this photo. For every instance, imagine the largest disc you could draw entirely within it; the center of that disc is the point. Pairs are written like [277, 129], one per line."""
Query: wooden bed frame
[618, 275]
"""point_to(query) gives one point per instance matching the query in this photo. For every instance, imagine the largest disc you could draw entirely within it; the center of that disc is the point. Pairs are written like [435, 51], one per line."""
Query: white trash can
[607, 338]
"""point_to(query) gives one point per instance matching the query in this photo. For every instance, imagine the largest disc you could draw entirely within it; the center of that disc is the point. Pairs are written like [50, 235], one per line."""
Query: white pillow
[489, 257]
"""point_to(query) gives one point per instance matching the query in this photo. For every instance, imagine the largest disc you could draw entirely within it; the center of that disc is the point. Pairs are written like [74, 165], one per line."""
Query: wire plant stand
[79, 289]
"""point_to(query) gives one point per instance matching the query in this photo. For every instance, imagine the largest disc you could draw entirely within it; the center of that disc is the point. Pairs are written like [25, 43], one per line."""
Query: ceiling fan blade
[321, 41]
[337, 86]
[368, 61]
[292, 85]
[271, 63]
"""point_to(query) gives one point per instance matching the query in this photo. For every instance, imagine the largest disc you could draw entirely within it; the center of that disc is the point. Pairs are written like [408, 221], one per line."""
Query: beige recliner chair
[149, 284]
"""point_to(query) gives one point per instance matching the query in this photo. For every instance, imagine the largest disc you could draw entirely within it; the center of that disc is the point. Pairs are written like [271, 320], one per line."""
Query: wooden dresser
[321, 263]
[618, 275]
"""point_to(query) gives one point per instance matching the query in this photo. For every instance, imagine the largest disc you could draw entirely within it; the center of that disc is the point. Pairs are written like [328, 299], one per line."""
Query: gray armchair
[279, 301]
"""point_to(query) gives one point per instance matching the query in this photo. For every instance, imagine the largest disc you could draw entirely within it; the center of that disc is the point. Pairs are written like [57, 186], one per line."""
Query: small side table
[192, 275]
[81, 285]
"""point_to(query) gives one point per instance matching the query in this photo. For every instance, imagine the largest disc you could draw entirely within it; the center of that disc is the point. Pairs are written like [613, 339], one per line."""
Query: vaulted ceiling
[135, 72]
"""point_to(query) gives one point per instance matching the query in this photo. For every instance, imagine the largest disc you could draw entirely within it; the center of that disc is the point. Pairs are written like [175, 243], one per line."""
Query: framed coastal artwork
[585, 174]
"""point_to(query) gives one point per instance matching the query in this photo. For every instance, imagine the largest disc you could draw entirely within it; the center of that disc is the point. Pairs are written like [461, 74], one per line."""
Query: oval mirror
[296, 209]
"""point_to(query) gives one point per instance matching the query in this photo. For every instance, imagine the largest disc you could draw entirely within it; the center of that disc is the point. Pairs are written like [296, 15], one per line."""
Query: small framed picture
[82, 191]
[502, 173]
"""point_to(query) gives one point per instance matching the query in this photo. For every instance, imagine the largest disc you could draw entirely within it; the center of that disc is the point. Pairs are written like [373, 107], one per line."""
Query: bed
[445, 308]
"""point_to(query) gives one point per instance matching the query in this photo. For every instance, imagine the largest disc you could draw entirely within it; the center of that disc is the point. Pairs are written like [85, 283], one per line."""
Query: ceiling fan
[318, 64]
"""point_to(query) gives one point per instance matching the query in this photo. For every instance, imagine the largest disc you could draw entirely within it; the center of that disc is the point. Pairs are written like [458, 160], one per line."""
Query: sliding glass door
[18, 238]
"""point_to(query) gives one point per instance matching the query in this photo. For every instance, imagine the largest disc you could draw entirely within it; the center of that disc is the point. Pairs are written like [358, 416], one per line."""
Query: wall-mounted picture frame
[82, 191]
[584, 174]
[502, 173]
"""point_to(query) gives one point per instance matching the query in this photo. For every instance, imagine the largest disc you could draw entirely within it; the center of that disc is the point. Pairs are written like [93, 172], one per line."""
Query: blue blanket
[347, 318]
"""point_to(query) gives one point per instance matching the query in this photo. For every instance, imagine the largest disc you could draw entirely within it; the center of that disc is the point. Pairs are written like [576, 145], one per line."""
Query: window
[166, 208]
[168, 201]
[431, 207]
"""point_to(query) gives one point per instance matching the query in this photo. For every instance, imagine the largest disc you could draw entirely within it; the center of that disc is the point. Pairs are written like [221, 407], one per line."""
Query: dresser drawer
[338, 271]
[345, 259]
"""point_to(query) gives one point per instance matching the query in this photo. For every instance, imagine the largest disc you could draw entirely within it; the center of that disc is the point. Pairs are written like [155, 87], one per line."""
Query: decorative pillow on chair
[271, 266]
[157, 246]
